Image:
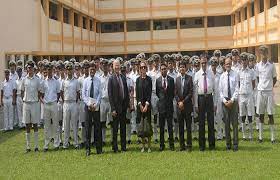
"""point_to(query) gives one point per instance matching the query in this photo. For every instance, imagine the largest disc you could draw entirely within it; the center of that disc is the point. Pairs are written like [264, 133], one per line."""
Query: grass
[252, 161]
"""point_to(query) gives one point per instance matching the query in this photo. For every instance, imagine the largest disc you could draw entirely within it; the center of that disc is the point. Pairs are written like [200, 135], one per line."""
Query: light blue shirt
[87, 87]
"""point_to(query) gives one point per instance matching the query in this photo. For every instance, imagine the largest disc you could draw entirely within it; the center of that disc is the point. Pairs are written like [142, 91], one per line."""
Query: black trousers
[119, 121]
[93, 118]
[166, 117]
[206, 106]
[185, 117]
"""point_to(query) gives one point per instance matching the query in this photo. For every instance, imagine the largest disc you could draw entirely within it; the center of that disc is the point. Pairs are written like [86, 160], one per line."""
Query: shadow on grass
[5, 136]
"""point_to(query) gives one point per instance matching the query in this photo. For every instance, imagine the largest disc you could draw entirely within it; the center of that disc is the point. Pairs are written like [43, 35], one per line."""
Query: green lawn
[252, 161]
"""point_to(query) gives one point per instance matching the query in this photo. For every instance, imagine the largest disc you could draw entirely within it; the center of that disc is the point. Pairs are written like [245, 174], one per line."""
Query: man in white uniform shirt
[267, 78]
[70, 92]
[8, 100]
[229, 96]
[19, 102]
[30, 91]
[236, 66]
[50, 93]
[218, 115]
[246, 98]
[13, 77]
[105, 109]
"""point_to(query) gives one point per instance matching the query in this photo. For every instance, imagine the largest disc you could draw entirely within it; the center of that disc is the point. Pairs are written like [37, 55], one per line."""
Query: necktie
[205, 83]
[164, 83]
[229, 93]
[121, 86]
[91, 89]
[182, 85]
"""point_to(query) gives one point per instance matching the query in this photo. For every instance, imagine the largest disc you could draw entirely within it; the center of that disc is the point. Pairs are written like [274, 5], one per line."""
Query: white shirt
[265, 72]
[31, 86]
[18, 86]
[134, 76]
[223, 85]
[14, 76]
[8, 87]
[153, 75]
[164, 80]
[173, 74]
[246, 77]
[199, 82]
[50, 88]
[104, 86]
[96, 89]
[70, 87]
[236, 67]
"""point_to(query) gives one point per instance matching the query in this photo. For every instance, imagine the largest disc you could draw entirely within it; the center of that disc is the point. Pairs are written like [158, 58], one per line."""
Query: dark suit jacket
[187, 94]
[116, 103]
[166, 97]
[144, 90]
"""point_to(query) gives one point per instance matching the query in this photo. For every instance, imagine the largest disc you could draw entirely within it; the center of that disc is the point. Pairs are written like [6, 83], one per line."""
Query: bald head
[228, 64]
[116, 66]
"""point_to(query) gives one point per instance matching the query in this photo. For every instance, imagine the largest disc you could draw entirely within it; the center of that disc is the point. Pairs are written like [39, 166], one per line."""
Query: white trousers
[19, 107]
[51, 125]
[8, 113]
[70, 117]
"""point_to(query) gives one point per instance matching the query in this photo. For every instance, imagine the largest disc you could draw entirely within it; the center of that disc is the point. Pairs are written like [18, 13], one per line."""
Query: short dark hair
[92, 64]
[182, 63]
[163, 64]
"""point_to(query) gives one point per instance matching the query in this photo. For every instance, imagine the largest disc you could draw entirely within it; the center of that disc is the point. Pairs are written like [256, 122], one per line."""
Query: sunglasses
[143, 67]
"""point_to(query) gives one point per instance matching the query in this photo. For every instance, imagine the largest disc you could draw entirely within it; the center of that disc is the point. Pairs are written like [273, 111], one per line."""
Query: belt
[205, 95]
[50, 103]
[69, 101]
[10, 97]
[30, 102]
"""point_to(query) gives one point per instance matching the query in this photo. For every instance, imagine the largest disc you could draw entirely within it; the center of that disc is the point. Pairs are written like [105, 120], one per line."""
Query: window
[76, 19]
[274, 52]
[165, 24]
[272, 3]
[98, 27]
[138, 26]
[252, 9]
[111, 27]
[91, 25]
[261, 6]
[196, 22]
[53, 8]
[85, 22]
[66, 16]
[233, 19]
[245, 13]
[218, 21]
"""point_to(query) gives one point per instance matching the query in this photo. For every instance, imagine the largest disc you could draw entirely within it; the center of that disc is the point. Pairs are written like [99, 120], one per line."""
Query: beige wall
[20, 27]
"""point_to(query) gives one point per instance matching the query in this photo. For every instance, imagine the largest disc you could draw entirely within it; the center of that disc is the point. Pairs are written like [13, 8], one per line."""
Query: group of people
[139, 96]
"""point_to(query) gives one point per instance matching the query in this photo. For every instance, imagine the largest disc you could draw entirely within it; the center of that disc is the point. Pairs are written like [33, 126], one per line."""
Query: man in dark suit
[165, 91]
[183, 96]
[119, 100]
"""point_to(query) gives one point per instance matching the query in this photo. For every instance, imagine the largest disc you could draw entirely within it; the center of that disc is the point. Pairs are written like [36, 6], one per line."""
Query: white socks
[257, 123]
[243, 130]
[103, 134]
[260, 130]
[272, 132]
[36, 139]
[27, 136]
[176, 129]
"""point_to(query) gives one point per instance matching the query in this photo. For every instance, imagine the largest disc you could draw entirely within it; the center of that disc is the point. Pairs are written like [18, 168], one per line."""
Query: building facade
[61, 29]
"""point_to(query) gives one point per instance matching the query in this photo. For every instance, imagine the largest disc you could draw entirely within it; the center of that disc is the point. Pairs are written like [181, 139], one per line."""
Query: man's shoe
[260, 141]
[161, 148]
[87, 152]
[36, 150]
[27, 150]
[46, 150]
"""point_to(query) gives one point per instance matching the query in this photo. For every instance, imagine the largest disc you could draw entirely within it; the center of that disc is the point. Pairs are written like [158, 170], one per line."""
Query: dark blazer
[165, 96]
[187, 94]
[116, 103]
[143, 90]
